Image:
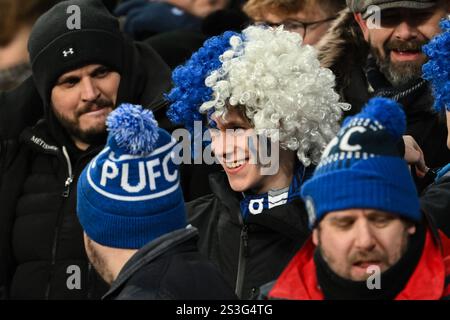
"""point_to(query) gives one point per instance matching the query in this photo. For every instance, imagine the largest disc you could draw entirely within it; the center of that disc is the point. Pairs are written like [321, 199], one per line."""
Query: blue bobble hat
[362, 167]
[130, 193]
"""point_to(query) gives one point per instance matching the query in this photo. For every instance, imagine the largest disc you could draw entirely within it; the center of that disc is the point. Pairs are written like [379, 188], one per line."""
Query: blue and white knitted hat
[130, 193]
[362, 167]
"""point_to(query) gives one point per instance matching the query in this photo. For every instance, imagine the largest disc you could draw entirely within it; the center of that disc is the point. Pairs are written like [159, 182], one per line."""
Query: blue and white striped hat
[362, 167]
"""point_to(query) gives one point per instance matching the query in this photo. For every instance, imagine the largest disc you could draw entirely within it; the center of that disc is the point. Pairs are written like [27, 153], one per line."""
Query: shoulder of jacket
[135, 292]
[201, 205]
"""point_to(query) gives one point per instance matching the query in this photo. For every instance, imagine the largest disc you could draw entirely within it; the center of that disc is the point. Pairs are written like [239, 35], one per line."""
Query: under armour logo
[67, 52]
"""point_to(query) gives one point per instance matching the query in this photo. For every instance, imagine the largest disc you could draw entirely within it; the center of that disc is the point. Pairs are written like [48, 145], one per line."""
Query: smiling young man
[383, 40]
[259, 84]
[370, 239]
[309, 18]
[80, 75]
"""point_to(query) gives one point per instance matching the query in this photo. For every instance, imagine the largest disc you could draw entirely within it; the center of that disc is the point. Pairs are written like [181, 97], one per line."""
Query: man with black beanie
[83, 67]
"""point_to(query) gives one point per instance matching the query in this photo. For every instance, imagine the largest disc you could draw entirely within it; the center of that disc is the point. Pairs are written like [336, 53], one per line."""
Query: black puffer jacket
[249, 254]
[41, 245]
[170, 268]
[38, 195]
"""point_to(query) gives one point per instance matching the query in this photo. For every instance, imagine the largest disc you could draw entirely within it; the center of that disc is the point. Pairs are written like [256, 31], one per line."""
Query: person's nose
[223, 145]
[405, 31]
[90, 92]
[364, 237]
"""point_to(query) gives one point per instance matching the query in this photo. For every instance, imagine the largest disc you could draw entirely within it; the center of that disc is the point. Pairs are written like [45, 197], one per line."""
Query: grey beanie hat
[361, 6]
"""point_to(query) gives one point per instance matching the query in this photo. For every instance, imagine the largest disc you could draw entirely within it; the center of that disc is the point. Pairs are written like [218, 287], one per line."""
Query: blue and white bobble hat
[130, 193]
[362, 167]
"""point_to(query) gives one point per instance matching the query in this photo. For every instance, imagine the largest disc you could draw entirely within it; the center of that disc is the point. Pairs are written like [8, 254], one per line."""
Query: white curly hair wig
[280, 85]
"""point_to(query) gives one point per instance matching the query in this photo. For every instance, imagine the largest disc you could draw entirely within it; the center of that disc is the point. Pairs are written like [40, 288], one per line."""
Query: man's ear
[86, 241]
[411, 229]
[363, 25]
[315, 237]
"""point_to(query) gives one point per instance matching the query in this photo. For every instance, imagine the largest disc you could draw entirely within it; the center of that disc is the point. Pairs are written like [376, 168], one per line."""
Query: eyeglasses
[295, 25]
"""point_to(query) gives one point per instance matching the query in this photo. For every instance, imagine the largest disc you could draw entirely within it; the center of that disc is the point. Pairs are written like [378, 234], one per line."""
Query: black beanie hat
[55, 49]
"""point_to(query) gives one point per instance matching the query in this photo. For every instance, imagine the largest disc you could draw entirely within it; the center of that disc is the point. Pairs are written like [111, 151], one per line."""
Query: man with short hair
[81, 74]
[370, 239]
[383, 39]
[310, 18]
[135, 228]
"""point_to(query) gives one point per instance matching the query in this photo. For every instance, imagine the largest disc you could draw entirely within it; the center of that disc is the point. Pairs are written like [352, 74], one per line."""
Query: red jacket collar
[299, 282]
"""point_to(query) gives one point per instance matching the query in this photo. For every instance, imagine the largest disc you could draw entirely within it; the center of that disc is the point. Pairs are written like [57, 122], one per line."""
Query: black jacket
[42, 239]
[248, 253]
[170, 268]
[435, 201]
[358, 81]
[41, 243]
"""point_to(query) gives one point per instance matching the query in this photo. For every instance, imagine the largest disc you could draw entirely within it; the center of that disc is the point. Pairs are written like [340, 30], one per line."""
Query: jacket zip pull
[244, 236]
[69, 179]
[67, 187]
[243, 254]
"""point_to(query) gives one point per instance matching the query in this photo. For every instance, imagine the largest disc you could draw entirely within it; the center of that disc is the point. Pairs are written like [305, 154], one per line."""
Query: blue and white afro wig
[277, 81]
[437, 69]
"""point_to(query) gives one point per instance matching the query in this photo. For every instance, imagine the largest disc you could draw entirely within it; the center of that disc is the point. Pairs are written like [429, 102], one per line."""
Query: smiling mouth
[235, 164]
[400, 53]
[406, 51]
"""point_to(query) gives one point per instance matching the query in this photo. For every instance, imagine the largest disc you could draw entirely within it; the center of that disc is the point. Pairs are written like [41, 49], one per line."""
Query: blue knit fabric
[362, 168]
[443, 172]
[189, 90]
[130, 193]
[437, 70]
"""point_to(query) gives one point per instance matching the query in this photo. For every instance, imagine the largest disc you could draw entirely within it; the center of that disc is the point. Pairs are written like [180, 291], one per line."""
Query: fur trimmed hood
[343, 48]
[344, 38]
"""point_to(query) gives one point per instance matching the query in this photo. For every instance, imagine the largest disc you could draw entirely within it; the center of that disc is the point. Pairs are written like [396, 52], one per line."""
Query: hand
[414, 156]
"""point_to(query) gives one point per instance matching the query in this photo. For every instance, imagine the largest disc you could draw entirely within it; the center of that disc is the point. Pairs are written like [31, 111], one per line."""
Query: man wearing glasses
[310, 18]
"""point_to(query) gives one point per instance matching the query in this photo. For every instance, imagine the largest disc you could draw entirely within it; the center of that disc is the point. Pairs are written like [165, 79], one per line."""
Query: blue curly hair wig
[190, 90]
[437, 70]
[275, 80]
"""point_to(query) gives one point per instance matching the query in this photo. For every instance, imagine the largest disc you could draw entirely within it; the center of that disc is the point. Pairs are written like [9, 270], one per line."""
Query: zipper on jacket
[243, 254]
[69, 179]
[65, 194]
